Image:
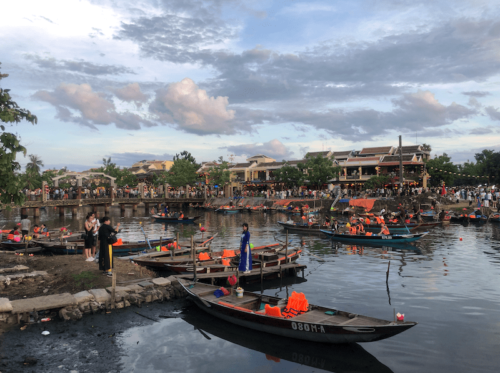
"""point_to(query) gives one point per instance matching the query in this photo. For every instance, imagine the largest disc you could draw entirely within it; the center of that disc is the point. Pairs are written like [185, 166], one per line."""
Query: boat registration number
[387, 237]
[308, 327]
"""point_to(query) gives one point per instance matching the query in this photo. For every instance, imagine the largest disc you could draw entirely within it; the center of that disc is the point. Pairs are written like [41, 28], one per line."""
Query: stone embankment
[73, 306]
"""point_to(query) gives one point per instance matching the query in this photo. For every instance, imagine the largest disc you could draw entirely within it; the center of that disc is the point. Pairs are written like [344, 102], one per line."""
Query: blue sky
[148, 79]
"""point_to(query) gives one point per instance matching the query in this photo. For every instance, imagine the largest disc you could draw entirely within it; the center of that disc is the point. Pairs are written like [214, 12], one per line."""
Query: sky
[147, 79]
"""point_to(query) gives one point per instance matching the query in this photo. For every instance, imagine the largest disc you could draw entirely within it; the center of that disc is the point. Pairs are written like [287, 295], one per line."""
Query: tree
[464, 170]
[487, 165]
[426, 148]
[219, 174]
[123, 175]
[441, 169]
[289, 175]
[319, 170]
[34, 164]
[182, 173]
[187, 156]
[376, 182]
[10, 181]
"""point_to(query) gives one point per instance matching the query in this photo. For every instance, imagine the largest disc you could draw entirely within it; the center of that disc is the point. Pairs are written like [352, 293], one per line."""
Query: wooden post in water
[387, 273]
[113, 289]
[286, 248]
[161, 241]
[194, 257]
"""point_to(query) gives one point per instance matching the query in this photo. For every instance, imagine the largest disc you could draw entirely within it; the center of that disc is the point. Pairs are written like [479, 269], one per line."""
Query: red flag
[443, 192]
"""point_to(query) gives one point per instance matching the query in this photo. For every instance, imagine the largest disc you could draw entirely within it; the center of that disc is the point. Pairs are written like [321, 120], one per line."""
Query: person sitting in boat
[353, 230]
[43, 228]
[379, 219]
[152, 212]
[385, 230]
[311, 220]
[327, 221]
[291, 222]
[165, 211]
[368, 221]
[181, 215]
[36, 231]
[176, 215]
[477, 213]
[359, 228]
[335, 224]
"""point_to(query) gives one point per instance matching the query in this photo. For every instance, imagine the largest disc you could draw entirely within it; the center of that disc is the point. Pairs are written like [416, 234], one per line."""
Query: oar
[145, 237]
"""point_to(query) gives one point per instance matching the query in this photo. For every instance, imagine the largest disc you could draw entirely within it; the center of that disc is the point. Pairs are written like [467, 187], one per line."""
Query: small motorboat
[375, 239]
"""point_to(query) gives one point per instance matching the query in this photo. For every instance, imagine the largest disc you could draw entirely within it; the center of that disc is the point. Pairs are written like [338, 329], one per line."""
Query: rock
[136, 299]
[84, 307]
[126, 303]
[119, 305]
[5, 305]
[70, 314]
[83, 296]
[118, 288]
[18, 268]
[173, 280]
[135, 288]
[45, 291]
[94, 306]
[100, 295]
[166, 293]
[43, 303]
[146, 284]
[161, 281]
[177, 293]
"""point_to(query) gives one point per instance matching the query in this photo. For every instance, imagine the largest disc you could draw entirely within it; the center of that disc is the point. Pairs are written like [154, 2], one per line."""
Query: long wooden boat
[314, 325]
[120, 250]
[402, 227]
[160, 261]
[306, 211]
[392, 238]
[478, 218]
[165, 219]
[307, 229]
[231, 210]
[216, 265]
[495, 217]
[341, 358]
[10, 245]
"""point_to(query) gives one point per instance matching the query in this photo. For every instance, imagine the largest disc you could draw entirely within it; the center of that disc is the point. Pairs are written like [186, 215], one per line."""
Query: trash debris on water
[45, 332]
[24, 327]
[45, 319]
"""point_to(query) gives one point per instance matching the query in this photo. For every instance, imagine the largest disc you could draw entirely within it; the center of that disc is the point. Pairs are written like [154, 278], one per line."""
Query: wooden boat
[209, 266]
[392, 238]
[229, 210]
[165, 219]
[160, 261]
[331, 358]
[306, 211]
[495, 217]
[314, 325]
[478, 218]
[119, 250]
[10, 245]
[300, 228]
[458, 218]
[402, 227]
[429, 215]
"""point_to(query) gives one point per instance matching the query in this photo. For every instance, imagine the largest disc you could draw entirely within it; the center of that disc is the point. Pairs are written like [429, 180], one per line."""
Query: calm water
[450, 287]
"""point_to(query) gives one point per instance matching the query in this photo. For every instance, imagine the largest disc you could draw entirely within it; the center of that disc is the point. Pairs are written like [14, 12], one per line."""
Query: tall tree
[187, 156]
[219, 174]
[319, 170]
[182, 173]
[426, 147]
[34, 164]
[441, 169]
[290, 176]
[10, 181]
[376, 182]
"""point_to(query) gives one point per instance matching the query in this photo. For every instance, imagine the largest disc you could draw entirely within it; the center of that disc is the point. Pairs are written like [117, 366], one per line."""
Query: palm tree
[34, 164]
[426, 148]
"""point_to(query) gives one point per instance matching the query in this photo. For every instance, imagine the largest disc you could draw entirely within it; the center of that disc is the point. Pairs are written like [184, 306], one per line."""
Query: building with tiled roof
[382, 150]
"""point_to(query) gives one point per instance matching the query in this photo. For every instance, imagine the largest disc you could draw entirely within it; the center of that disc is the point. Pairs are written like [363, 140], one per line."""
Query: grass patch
[85, 279]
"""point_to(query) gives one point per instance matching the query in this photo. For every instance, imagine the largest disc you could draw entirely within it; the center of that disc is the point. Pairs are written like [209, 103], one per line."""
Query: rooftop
[379, 150]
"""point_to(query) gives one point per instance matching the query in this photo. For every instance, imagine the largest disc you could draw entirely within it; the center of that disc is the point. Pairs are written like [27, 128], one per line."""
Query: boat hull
[161, 219]
[375, 240]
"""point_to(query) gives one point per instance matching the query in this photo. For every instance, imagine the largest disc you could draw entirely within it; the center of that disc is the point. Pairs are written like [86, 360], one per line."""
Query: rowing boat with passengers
[169, 219]
[293, 317]
[209, 265]
[160, 261]
[301, 228]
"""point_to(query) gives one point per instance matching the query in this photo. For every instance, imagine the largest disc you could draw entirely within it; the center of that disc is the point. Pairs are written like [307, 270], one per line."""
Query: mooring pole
[194, 257]
[387, 273]
[113, 289]
[286, 247]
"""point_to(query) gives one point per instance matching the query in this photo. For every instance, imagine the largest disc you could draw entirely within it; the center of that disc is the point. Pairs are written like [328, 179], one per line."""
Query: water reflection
[202, 343]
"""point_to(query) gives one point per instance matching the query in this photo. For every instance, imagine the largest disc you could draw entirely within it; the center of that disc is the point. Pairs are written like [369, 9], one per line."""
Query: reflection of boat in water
[332, 358]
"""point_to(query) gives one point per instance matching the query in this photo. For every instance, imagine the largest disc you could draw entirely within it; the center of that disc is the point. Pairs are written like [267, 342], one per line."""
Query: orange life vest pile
[297, 304]
[118, 243]
[228, 253]
[204, 256]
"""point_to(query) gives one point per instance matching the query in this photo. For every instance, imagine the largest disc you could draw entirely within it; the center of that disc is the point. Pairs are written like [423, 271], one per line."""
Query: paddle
[145, 237]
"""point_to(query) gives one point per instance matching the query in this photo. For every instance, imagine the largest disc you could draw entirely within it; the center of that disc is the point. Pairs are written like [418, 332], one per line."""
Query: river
[448, 285]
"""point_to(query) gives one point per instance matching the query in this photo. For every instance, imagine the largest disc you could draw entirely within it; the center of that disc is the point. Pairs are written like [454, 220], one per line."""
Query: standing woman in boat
[105, 247]
[245, 252]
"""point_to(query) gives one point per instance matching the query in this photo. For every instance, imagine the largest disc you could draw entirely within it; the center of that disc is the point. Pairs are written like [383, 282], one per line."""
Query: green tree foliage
[468, 168]
[187, 156]
[160, 178]
[376, 182]
[10, 181]
[219, 174]
[289, 175]
[435, 168]
[34, 164]
[123, 175]
[426, 147]
[319, 170]
[488, 164]
[182, 173]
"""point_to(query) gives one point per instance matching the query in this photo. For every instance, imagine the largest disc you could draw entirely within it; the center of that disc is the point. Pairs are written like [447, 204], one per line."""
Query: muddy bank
[65, 274]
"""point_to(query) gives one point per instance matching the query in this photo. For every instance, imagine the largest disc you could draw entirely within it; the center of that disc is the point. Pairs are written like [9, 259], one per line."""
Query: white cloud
[192, 109]
[274, 149]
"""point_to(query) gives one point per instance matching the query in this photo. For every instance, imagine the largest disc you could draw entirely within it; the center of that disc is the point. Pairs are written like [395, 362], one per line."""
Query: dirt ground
[67, 273]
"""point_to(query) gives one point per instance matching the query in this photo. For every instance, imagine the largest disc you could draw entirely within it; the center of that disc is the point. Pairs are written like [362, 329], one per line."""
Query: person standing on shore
[89, 238]
[245, 253]
[105, 247]
[25, 225]
[97, 225]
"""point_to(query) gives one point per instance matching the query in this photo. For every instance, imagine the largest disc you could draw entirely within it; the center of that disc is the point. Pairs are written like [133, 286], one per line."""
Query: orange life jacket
[368, 221]
[379, 220]
[163, 248]
[226, 262]
[297, 304]
[10, 236]
[228, 253]
[273, 311]
[352, 230]
[36, 230]
[204, 256]
[182, 216]
[360, 228]
[385, 231]
[368, 233]
[407, 221]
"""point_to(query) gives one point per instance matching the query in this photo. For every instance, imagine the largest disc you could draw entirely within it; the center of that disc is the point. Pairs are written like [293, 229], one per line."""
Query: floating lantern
[400, 316]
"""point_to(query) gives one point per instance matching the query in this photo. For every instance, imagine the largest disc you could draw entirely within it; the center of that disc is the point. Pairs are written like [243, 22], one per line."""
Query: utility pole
[400, 165]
